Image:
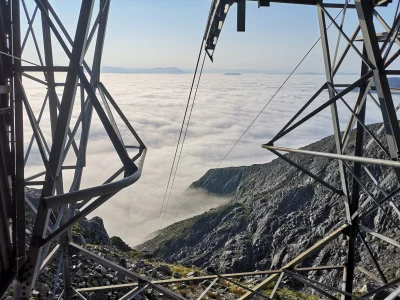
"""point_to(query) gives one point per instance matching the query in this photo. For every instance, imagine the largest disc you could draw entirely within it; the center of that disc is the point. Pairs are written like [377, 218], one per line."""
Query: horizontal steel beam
[219, 10]
[365, 160]
[243, 287]
[315, 2]
[132, 294]
[380, 236]
[125, 272]
[316, 247]
[89, 193]
[181, 280]
[315, 177]
[209, 277]
[44, 69]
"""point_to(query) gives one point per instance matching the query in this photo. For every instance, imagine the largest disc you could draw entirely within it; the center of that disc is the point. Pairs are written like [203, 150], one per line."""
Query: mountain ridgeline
[275, 213]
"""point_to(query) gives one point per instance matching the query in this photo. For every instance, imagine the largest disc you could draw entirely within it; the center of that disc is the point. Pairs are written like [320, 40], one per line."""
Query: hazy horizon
[276, 37]
[216, 70]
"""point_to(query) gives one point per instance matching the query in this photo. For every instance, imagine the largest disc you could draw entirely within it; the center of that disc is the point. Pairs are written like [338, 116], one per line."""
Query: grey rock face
[94, 231]
[275, 213]
[224, 182]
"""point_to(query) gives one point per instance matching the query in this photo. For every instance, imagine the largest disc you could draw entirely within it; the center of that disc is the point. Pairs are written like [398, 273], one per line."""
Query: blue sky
[165, 33]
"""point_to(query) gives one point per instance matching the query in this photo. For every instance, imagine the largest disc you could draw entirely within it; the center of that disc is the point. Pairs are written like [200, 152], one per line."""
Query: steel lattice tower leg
[12, 204]
[60, 206]
[8, 263]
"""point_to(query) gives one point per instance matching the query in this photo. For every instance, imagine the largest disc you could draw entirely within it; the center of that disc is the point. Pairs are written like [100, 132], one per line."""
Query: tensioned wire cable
[183, 142]
[181, 131]
[266, 105]
[165, 201]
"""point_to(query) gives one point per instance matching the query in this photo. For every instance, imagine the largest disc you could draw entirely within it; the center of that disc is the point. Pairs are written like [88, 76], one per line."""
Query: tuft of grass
[286, 294]
[77, 229]
[213, 295]
[236, 290]
[180, 269]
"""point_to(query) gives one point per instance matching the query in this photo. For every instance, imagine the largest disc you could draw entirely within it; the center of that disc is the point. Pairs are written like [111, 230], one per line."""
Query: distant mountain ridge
[175, 70]
[118, 70]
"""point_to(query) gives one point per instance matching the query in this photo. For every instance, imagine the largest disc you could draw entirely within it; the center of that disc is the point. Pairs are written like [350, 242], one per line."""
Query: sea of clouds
[225, 106]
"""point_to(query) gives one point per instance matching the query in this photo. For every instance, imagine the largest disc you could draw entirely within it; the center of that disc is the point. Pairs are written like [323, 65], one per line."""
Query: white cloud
[225, 106]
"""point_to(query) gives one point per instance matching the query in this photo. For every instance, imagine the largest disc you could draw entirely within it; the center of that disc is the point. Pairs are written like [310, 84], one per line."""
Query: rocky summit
[276, 212]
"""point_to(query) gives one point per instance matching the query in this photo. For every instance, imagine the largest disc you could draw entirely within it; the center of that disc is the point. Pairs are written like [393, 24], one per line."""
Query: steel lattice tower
[375, 67]
[81, 87]
[56, 213]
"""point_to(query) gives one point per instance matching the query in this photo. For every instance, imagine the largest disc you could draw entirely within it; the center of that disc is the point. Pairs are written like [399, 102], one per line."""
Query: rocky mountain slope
[92, 234]
[274, 214]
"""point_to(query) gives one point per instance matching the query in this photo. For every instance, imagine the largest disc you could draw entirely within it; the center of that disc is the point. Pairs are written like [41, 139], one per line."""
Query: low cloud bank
[225, 106]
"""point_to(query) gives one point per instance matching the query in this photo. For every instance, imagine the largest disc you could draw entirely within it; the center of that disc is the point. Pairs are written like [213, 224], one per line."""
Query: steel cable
[166, 200]
[266, 105]
[183, 141]
[183, 122]
[181, 131]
